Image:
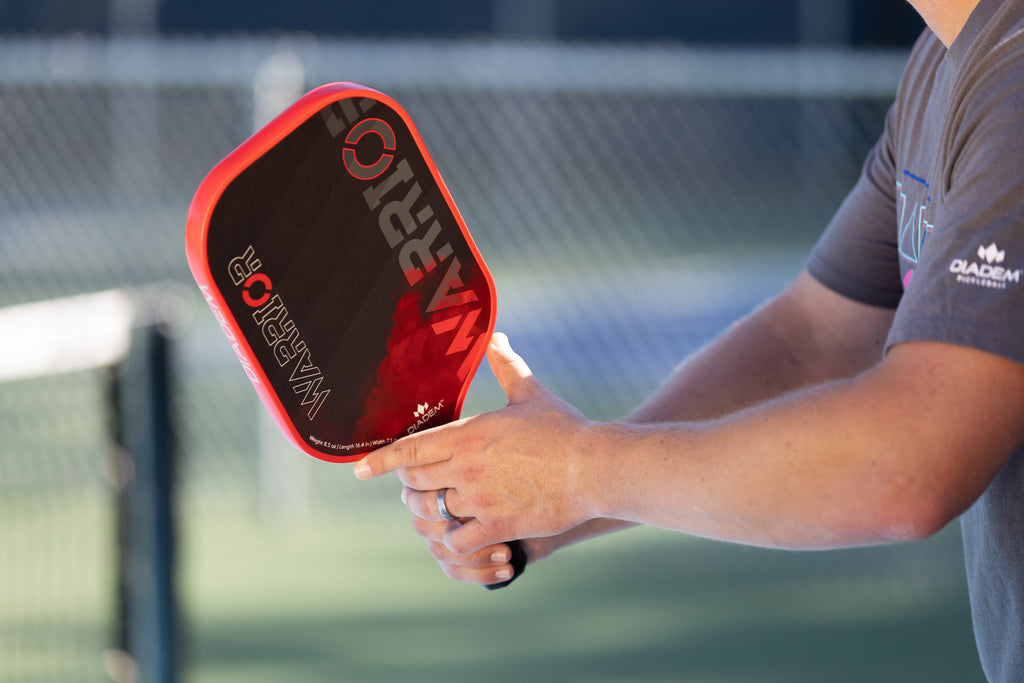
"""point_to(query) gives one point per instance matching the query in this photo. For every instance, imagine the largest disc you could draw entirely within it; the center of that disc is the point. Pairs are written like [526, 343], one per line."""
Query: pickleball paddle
[338, 266]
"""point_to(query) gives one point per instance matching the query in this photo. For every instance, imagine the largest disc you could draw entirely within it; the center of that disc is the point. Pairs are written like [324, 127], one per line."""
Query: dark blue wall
[871, 22]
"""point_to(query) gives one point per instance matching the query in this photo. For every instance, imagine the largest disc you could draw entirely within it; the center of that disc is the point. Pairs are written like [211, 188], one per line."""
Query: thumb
[514, 375]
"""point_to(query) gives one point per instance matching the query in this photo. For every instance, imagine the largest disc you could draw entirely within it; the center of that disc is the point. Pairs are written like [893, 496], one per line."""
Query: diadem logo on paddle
[423, 414]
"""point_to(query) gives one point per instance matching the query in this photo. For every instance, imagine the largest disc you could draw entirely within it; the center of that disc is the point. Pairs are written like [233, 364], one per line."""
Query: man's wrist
[593, 481]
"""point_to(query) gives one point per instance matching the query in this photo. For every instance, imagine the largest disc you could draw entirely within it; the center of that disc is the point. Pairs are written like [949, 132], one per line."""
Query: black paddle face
[335, 260]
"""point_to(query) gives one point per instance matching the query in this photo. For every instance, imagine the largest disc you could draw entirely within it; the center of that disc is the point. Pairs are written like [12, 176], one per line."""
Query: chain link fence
[630, 200]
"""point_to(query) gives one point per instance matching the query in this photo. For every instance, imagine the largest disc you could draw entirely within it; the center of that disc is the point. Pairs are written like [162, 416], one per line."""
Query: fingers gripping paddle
[336, 262]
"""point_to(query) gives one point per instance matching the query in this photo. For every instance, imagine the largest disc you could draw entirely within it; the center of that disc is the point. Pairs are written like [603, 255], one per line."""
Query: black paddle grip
[518, 561]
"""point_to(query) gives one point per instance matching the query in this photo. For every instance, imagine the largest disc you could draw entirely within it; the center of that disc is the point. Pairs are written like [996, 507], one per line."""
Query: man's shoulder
[994, 59]
[925, 55]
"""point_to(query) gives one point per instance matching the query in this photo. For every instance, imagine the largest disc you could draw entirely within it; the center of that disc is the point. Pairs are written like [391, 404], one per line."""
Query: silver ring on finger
[442, 507]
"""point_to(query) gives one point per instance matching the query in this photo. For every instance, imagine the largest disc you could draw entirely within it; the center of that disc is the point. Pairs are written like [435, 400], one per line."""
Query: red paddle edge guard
[201, 213]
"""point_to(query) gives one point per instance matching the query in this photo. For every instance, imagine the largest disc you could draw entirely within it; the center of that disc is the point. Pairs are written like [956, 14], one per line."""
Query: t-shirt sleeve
[967, 287]
[857, 254]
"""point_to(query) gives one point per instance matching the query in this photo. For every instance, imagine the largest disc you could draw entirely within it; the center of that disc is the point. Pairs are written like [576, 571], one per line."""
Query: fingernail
[361, 470]
[404, 493]
[503, 574]
[499, 557]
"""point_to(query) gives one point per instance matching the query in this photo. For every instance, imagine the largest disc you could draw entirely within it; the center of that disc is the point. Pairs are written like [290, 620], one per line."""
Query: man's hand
[510, 474]
[485, 566]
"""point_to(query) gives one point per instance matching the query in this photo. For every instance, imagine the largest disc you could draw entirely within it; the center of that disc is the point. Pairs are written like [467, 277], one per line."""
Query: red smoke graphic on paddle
[415, 372]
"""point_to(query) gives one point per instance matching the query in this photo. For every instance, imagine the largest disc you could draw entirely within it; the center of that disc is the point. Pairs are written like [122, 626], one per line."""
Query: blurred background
[637, 175]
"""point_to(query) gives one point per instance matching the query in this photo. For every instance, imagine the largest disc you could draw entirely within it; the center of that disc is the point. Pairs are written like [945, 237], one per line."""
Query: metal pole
[525, 19]
[825, 22]
[149, 607]
[133, 16]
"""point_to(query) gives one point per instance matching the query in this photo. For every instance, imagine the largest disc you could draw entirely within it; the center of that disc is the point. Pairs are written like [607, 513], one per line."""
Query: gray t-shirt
[935, 228]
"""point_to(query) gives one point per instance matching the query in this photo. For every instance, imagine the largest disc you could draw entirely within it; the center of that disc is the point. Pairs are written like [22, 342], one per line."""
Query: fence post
[147, 592]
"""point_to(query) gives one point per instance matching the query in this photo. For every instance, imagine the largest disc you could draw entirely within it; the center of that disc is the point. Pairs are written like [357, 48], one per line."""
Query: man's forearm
[894, 453]
[764, 355]
[804, 336]
[744, 478]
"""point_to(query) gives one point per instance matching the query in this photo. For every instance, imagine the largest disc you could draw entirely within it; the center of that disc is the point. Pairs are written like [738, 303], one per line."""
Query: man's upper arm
[856, 255]
[837, 336]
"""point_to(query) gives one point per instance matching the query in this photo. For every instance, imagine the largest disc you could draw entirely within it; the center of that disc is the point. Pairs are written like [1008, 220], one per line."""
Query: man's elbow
[915, 518]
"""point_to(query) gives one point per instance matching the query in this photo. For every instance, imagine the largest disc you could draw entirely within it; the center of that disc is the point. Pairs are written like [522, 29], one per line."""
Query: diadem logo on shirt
[986, 271]
[991, 254]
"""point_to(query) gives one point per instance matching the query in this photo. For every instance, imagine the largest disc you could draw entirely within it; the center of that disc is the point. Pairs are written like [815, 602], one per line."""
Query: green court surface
[328, 601]
[333, 598]
[56, 587]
